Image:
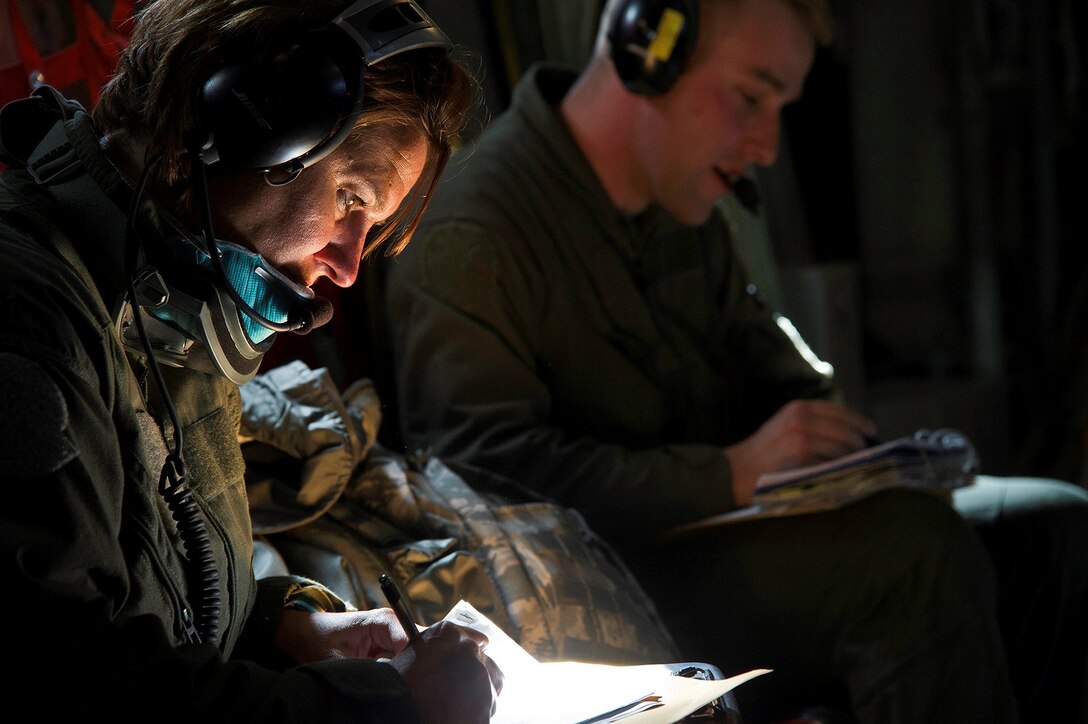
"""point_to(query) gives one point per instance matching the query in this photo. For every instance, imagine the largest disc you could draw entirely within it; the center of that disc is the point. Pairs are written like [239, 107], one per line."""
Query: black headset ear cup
[261, 115]
[651, 41]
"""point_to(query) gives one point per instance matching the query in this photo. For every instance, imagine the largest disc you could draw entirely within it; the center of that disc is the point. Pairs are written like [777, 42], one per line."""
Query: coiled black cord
[201, 568]
[202, 572]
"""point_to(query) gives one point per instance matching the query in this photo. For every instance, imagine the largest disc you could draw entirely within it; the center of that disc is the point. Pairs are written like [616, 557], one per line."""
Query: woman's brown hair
[153, 100]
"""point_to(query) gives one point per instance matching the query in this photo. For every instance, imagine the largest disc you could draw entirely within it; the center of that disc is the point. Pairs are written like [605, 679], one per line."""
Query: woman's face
[318, 224]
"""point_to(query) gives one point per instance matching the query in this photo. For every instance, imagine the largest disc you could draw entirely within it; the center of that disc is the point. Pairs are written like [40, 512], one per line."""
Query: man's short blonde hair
[817, 16]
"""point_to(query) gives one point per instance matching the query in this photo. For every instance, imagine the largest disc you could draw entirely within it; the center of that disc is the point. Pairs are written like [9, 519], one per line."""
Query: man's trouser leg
[1036, 531]
[888, 603]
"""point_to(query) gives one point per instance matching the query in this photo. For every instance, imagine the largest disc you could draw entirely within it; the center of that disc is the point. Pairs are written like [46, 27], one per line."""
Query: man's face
[723, 113]
[318, 224]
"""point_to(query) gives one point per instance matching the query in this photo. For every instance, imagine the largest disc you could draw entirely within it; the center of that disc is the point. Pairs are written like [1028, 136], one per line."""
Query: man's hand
[802, 432]
[451, 678]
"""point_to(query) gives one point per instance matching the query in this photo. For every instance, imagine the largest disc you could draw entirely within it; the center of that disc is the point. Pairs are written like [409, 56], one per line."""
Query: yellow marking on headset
[668, 31]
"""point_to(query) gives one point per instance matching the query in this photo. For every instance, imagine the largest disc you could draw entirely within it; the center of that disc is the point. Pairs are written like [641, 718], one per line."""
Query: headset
[292, 106]
[651, 41]
[219, 307]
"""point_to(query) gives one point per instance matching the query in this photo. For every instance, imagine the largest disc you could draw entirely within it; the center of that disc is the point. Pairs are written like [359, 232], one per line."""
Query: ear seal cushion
[651, 41]
[262, 115]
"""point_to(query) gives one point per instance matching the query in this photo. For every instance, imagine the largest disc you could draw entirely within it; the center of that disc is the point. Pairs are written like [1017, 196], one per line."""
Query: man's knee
[1049, 516]
[934, 545]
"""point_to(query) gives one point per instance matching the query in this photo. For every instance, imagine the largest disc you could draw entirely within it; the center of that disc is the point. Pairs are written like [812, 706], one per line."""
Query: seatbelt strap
[57, 163]
[54, 159]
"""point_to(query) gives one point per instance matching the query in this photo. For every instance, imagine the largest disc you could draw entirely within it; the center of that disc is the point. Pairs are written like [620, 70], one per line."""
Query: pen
[392, 594]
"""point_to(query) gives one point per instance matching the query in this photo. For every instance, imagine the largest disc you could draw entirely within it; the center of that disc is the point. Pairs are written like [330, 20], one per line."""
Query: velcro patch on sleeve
[34, 437]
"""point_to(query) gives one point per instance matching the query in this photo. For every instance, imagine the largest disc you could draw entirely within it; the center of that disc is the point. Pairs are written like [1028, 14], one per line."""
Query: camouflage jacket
[336, 506]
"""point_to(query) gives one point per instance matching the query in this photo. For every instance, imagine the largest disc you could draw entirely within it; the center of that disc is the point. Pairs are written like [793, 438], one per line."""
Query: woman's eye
[345, 200]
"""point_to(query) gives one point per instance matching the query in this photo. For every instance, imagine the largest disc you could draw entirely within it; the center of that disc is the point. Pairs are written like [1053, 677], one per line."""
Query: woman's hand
[451, 678]
[307, 637]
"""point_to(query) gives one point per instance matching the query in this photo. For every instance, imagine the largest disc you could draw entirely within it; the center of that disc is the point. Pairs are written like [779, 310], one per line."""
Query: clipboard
[936, 460]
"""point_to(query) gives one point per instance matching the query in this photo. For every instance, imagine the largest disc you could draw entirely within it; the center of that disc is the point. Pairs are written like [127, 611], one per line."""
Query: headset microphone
[747, 193]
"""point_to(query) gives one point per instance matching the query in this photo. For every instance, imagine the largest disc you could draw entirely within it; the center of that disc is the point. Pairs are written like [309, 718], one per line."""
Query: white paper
[568, 692]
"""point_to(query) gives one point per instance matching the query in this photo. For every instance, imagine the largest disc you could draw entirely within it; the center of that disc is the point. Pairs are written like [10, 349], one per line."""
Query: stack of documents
[569, 692]
[933, 459]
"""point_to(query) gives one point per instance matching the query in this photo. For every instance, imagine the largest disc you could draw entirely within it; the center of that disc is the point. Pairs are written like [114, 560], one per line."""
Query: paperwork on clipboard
[936, 460]
[570, 692]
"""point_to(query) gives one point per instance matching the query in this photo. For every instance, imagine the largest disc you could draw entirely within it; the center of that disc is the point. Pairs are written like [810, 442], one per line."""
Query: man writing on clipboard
[572, 315]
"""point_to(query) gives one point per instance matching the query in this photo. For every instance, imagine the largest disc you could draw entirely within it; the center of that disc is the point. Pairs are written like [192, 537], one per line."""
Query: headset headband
[296, 106]
[383, 28]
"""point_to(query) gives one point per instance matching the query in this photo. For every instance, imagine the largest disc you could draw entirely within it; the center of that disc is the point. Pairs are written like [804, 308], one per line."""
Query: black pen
[392, 594]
